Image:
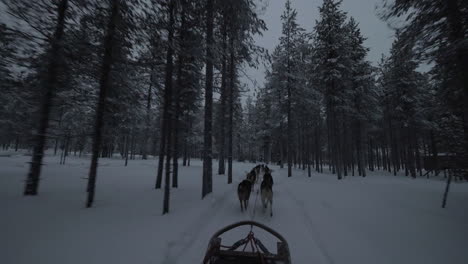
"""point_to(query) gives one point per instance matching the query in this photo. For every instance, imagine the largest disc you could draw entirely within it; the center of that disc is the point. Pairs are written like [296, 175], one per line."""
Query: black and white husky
[243, 192]
[261, 170]
[266, 191]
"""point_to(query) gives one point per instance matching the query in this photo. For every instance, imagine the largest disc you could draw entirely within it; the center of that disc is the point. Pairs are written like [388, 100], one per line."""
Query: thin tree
[107, 62]
[207, 186]
[167, 105]
[222, 140]
[232, 80]
[32, 181]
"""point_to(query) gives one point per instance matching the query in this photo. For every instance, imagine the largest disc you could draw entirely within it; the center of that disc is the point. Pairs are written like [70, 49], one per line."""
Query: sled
[248, 250]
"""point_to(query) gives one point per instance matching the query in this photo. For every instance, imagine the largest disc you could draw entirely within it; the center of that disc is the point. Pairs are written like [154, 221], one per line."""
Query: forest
[161, 79]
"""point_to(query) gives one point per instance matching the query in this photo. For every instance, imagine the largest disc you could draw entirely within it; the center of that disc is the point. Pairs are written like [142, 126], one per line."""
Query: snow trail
[190, 234]
[379, 219]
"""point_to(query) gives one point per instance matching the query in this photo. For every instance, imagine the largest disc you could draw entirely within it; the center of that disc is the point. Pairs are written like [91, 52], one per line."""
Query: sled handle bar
[250, 223]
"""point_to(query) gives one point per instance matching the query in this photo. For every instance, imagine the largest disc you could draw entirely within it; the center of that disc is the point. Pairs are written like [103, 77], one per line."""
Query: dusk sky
[379, 35]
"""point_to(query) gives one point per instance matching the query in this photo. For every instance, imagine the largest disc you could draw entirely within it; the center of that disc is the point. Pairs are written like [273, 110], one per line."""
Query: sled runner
[248, 250]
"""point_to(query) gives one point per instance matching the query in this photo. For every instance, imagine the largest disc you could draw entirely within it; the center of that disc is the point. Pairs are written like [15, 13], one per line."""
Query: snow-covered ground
[379, 219]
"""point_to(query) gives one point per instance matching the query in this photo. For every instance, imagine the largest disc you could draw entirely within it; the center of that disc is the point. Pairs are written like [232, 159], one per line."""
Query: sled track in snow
[311, 226]
[190, 234]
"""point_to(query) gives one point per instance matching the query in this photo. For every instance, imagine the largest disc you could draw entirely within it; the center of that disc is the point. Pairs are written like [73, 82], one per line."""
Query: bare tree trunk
[207, 148]
[32, 181]
[288, 87]
[126, 149]
[222, 140]
[148, 117]
[417, 155]
[336, 142]
[240, 156]
[178, 92]
[162, 149]
[101, 106]
[393, 147]
[371, 154]
[290, 134]
[175, 158]
[63, 152]
[232, 76]
[66, 148]
[344, 149]
[167, 106]
[187, 129]
[132, 146]
[281, 146]
[308, 154]
[360, 163]
[447, 188]
[184, 162]
[318, 148]
[410, 154]
[433, 149]
[17, 142]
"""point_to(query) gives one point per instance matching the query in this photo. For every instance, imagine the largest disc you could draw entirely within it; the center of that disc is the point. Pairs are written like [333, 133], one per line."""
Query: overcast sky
[379, 35]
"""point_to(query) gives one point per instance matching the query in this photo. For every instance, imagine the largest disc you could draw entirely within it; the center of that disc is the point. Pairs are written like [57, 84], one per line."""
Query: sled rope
[254, 209]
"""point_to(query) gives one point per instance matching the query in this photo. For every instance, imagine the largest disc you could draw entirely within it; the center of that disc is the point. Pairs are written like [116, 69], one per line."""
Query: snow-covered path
[380, 219]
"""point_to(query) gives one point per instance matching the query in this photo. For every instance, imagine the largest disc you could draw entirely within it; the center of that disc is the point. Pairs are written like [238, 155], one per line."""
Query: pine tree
[330, 67]
[288, 41]
[207, 150]
[107, 62]
[50, 82]
[438, 32]
[402, 100]
[168, 98]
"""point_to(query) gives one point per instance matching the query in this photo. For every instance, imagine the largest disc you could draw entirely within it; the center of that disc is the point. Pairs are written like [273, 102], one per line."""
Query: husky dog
[268, 178]
[243, 191]
[260, 170]
[266, 191]
[252, 176]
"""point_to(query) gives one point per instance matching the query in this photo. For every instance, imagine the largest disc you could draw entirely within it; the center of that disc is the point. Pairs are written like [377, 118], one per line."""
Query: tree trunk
[360, 162]
[457, 36]
[178, 92]
[371, 153]
[318, 149]
[393, 148]
[281, 146]
[207, 148]
[418, 155]
[132, 146]
[290, 135]
[232, 76]
[168, 105]
[101, 105]
[222, 140]
[17, 142]
[162, 149]
[308, 154]
[344, 150]
[187, 128]
[32, 181]
[66, 148]
[336, 143]
[447, 188]
[410, 154]
[148, 117]
[126, 149]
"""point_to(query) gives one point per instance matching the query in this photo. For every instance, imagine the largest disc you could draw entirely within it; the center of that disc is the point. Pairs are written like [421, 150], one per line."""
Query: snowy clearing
[379, 219]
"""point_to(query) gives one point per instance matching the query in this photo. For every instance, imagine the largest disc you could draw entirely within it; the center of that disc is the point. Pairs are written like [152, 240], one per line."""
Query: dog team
[266, 187]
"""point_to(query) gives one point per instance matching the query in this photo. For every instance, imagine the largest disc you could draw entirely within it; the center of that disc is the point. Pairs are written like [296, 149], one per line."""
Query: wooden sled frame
[215, 253]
